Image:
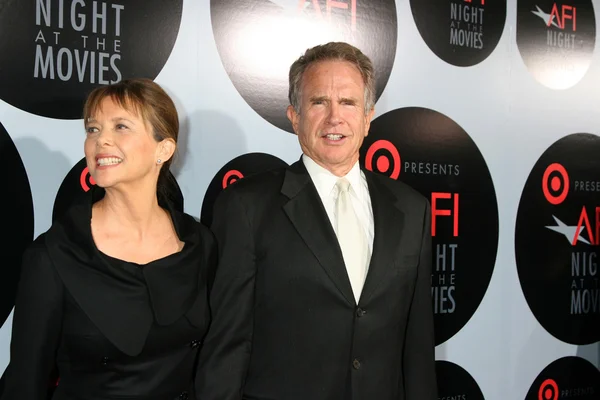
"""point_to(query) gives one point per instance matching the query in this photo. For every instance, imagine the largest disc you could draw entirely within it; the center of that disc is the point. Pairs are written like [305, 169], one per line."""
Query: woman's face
[120, 148]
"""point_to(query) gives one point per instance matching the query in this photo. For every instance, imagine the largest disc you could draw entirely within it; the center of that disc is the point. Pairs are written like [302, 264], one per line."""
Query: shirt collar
[325, 181]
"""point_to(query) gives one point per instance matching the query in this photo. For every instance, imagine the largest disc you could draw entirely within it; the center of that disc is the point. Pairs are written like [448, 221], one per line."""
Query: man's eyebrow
[318, 98]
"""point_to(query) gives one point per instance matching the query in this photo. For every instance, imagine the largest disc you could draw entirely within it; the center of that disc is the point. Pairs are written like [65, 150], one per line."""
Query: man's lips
[333, 137]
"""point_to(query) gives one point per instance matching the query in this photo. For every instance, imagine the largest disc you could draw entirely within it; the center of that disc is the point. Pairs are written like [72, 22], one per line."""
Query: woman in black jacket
[114, 294]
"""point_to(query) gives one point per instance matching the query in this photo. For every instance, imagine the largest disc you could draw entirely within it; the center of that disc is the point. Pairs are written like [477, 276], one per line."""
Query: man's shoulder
[401, 191]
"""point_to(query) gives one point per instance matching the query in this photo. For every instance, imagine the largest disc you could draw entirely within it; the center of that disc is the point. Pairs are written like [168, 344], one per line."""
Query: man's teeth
[334, 137]
[109, 161]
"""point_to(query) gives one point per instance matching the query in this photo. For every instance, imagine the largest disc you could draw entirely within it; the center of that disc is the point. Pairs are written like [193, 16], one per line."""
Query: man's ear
[293, 116]
[368, 119]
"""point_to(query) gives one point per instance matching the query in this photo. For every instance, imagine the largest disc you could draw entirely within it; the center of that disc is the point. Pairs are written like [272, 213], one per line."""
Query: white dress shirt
[325, 182]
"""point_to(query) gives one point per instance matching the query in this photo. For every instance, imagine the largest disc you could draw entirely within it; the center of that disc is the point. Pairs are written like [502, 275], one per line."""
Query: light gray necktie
[351, 237]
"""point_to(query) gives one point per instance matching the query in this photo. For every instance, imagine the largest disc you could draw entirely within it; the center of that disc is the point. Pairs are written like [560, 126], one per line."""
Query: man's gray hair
[330, 52]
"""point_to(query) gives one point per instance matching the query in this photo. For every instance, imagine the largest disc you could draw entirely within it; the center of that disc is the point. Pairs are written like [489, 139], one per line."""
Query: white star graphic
[546, 17]
[568, 231]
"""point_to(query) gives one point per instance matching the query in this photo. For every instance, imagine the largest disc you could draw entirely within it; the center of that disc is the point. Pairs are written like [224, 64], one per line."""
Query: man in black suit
[323, 286]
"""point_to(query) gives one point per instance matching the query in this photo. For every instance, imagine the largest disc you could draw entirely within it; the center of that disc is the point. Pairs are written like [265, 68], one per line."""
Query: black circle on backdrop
[454, 382]
[258, 40]
[17, 203]
[460, 33]
[79, 181]
[441, 161]
[558, 266]
[556, 40]
[566, 378]
[52, 56]
[234, 170]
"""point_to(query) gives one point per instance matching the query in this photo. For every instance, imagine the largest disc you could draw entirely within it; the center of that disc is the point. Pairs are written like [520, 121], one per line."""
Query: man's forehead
[341, 73]
[332, 64]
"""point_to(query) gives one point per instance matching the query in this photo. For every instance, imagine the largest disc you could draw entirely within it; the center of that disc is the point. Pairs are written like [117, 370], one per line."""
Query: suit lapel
[306, 212]
[388, 224]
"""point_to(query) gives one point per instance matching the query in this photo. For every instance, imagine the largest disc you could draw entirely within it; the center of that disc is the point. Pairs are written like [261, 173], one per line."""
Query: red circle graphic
[231, 176]
[83, 181]
[548, 390]
[382, 162]
[554, 184]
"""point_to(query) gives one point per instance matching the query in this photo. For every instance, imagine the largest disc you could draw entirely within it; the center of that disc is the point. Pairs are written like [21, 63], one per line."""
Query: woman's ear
[166, 149]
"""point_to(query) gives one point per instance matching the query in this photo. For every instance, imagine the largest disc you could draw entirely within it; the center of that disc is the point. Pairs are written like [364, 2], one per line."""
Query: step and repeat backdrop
[490, 108]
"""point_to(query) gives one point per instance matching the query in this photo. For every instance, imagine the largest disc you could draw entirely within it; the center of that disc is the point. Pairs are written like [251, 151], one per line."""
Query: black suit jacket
[113, 330]
[285, 322]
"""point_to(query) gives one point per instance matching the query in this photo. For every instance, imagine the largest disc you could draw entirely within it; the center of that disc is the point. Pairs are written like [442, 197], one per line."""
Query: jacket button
[183, 396]
[104, 360]
[360, 312]
[356, 364]
[195, 343]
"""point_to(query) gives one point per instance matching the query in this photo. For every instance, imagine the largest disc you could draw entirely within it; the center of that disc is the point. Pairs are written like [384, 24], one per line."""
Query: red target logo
[86, 178]
[379, 154]
[231, 177]
[555, 183]
[548, 390]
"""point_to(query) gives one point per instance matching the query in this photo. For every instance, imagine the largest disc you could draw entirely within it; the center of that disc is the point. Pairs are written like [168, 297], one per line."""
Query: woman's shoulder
[36, 263]
[72, 225]
[37, 250]
[55, 233]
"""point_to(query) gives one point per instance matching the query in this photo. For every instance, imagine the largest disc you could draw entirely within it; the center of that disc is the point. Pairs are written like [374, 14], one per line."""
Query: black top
[114, 329]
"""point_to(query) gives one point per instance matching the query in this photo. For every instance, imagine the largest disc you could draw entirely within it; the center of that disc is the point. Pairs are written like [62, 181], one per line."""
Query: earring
[158, 161]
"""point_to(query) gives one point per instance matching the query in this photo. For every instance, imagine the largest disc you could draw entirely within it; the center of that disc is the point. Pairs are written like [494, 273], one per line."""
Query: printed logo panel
[234, 170]
[258, 40]
[455, 383]
[17, 203]
[460, 32]
[557, 239]
[54, 52]
[434, 155]
[556, 40]
[566, 378]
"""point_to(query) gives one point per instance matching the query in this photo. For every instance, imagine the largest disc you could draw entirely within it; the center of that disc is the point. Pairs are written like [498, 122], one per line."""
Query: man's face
[332, 123]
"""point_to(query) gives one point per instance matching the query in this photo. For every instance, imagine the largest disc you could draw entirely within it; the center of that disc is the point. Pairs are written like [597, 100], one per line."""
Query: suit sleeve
[419, 349]
[36, 327]
[225, 355]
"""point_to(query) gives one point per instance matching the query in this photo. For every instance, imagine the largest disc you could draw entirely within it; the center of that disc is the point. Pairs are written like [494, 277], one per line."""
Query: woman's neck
[131, 212]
